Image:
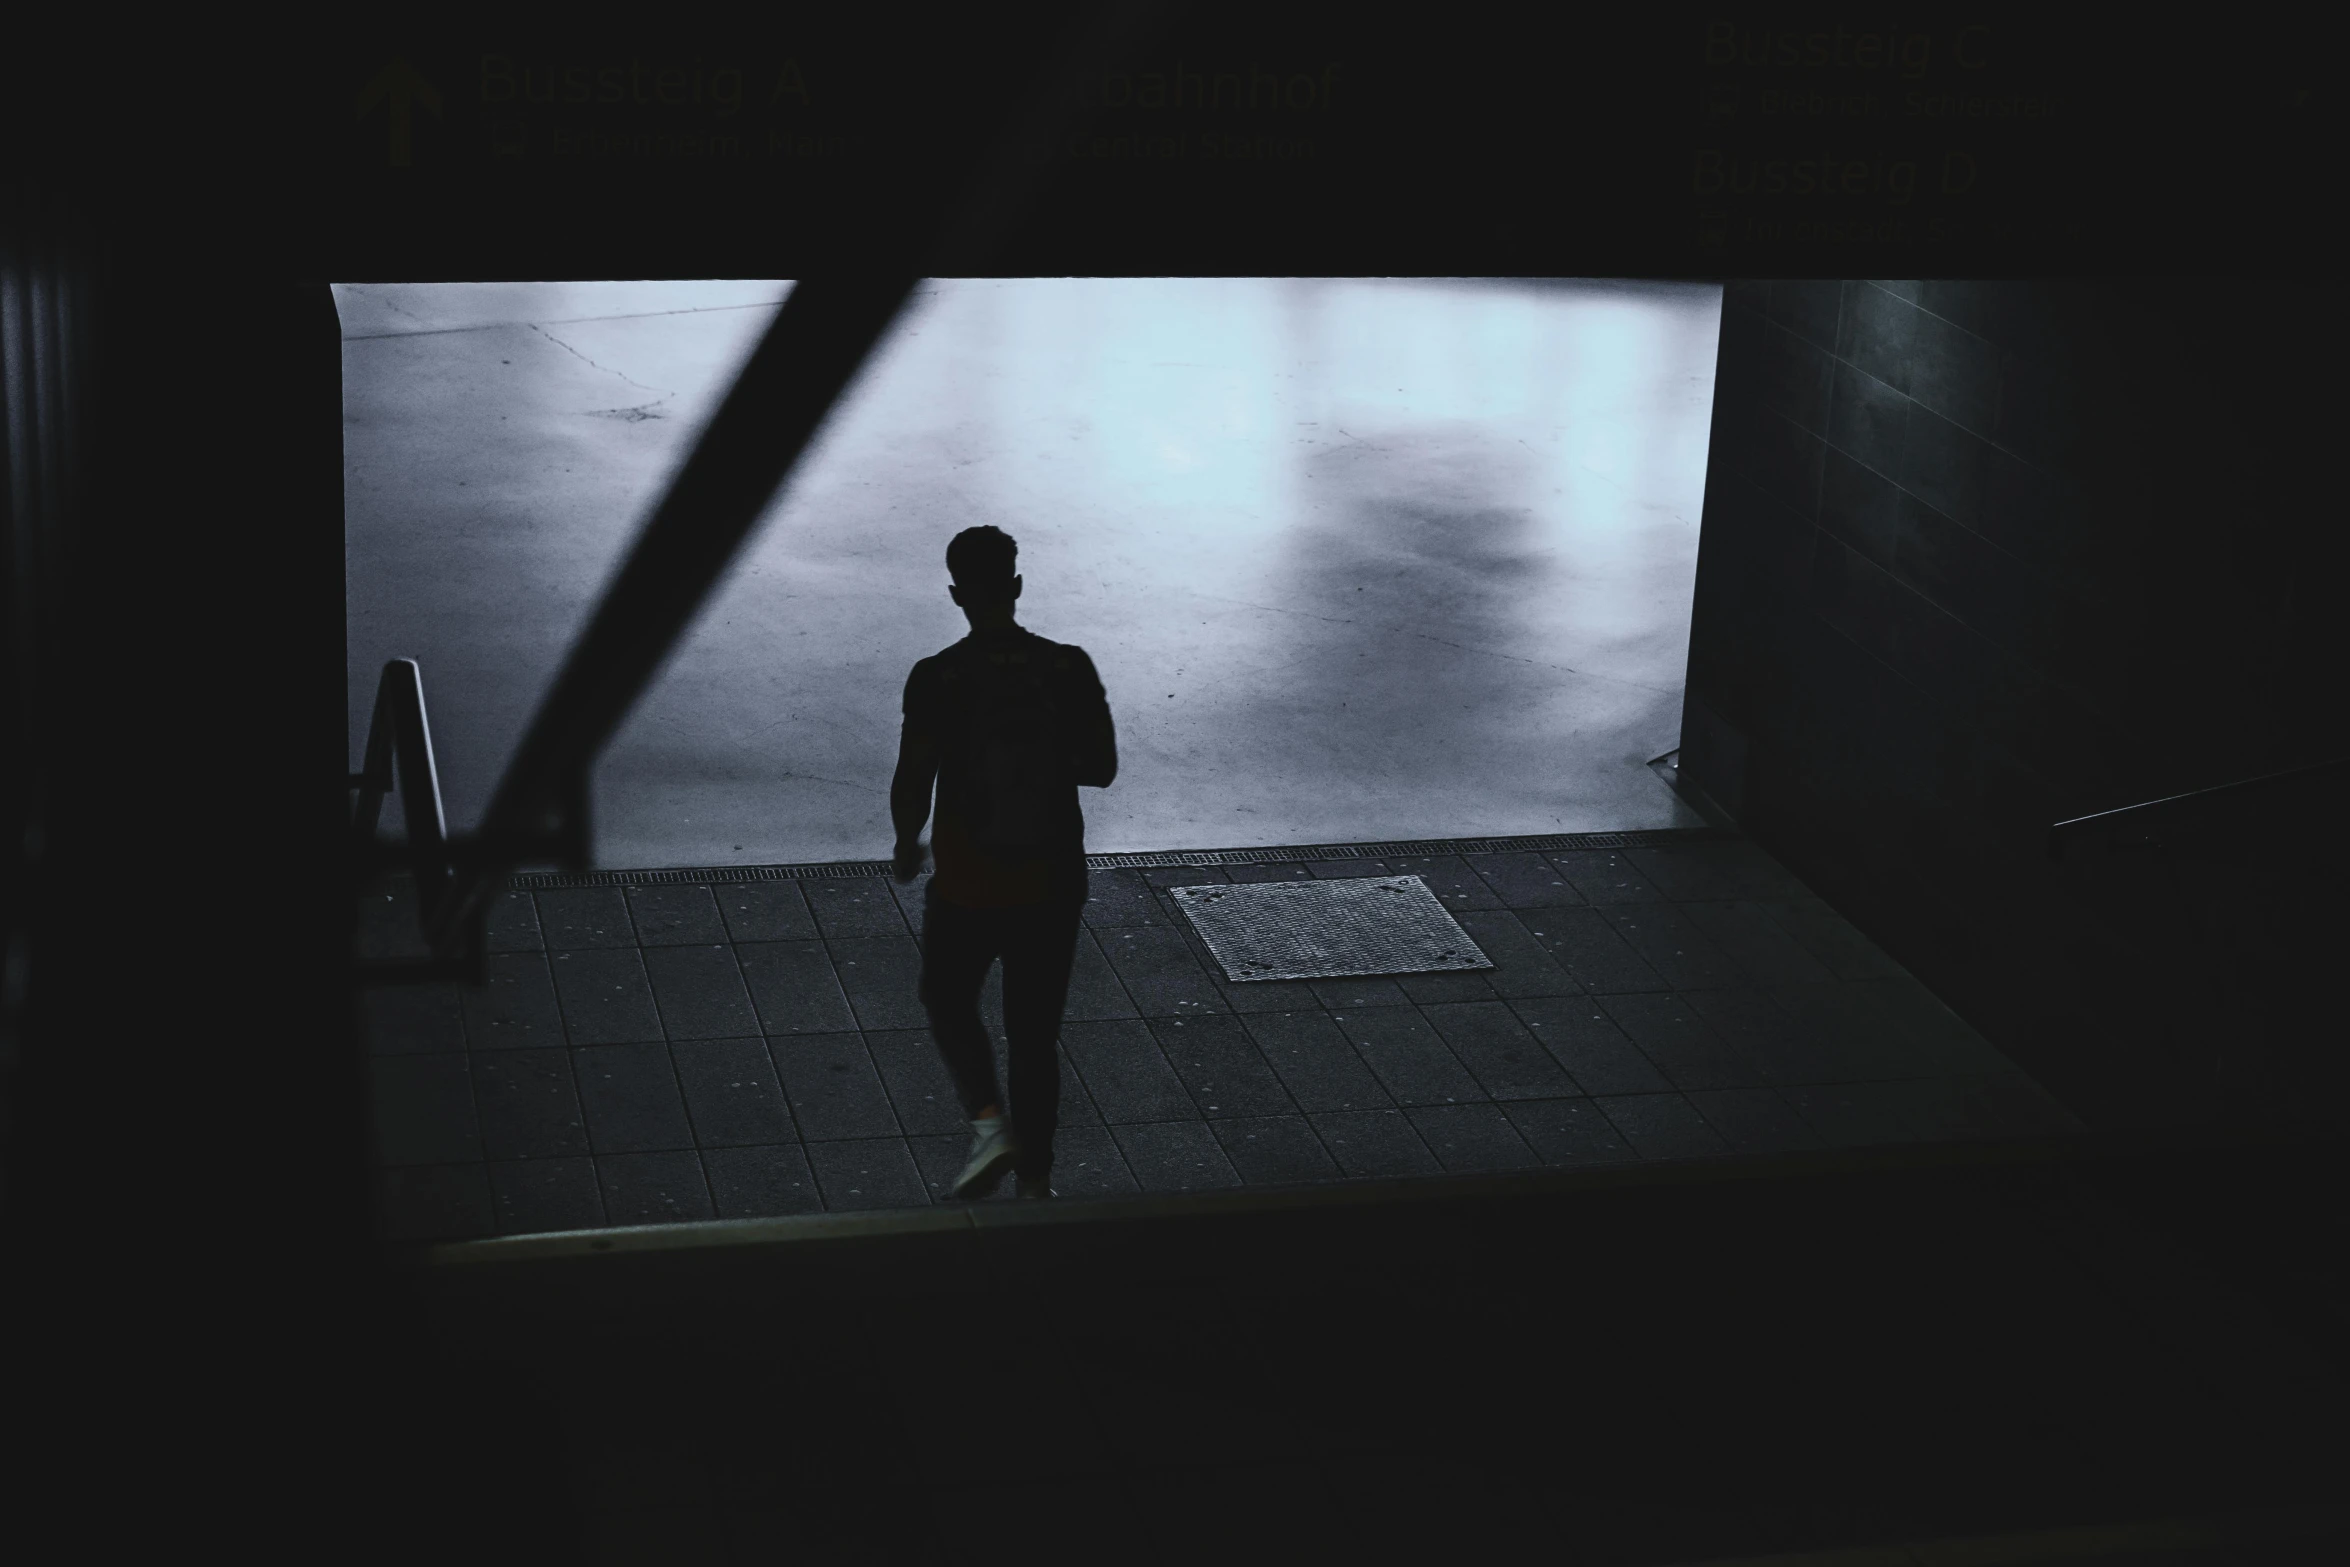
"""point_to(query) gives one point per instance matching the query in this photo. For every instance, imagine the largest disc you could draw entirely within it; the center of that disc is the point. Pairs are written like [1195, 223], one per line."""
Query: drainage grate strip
[821, 870]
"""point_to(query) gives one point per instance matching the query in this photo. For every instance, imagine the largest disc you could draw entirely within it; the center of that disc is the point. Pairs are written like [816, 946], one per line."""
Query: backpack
[1009, 700]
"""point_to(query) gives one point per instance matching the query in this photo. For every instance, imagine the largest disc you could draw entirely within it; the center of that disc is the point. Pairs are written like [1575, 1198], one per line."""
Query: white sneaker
[993, 1148]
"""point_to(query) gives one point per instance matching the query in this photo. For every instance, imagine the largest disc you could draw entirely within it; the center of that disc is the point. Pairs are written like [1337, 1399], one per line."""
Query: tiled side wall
[1978, 557]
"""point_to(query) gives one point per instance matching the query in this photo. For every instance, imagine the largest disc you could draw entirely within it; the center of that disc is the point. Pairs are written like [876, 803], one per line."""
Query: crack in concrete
[585, 360]
[392, 304]
[842, 782]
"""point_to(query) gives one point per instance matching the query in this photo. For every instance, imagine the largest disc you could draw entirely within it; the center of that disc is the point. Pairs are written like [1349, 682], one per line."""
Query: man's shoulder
[944, 663]
[941, 659]
[923, 681]
[1065, 654]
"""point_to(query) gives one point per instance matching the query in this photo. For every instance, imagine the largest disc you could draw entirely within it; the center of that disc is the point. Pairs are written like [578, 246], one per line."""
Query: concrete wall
[1978, 557]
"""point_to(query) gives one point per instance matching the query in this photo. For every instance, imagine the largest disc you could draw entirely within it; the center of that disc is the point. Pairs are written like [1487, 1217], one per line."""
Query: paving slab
[753, 1048]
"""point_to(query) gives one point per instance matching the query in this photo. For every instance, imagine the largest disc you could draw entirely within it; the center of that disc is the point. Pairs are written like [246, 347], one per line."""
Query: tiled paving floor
[667, 1052]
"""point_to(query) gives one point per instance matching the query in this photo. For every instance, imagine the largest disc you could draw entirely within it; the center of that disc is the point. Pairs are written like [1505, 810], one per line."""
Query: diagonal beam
[820, 338]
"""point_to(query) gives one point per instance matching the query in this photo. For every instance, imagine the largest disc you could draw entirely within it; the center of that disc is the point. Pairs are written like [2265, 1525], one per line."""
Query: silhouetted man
[1008, 724]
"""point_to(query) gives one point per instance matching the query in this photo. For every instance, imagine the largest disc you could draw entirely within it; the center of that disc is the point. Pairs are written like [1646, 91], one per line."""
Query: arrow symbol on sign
[398, 84]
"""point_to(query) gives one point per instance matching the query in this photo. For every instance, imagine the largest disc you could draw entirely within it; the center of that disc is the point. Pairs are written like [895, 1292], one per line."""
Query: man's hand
[907, 862]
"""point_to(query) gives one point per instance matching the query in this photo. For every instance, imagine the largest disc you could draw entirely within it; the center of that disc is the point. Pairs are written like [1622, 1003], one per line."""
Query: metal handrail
[819, 340]
[399, 755]
[2147, 823]
[396, 731]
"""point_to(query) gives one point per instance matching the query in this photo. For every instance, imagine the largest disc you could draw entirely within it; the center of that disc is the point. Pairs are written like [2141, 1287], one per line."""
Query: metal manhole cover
[1328, 929]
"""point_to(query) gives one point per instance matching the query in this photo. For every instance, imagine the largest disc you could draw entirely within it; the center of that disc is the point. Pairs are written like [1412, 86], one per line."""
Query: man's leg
[957, 946]
[1037, 959]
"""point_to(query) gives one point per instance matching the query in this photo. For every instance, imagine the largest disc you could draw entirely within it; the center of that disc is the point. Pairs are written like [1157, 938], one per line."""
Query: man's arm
[1095, 761]
[910, 787]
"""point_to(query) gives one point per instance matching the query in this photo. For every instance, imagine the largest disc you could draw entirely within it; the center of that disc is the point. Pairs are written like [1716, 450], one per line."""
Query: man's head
[982, 561]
